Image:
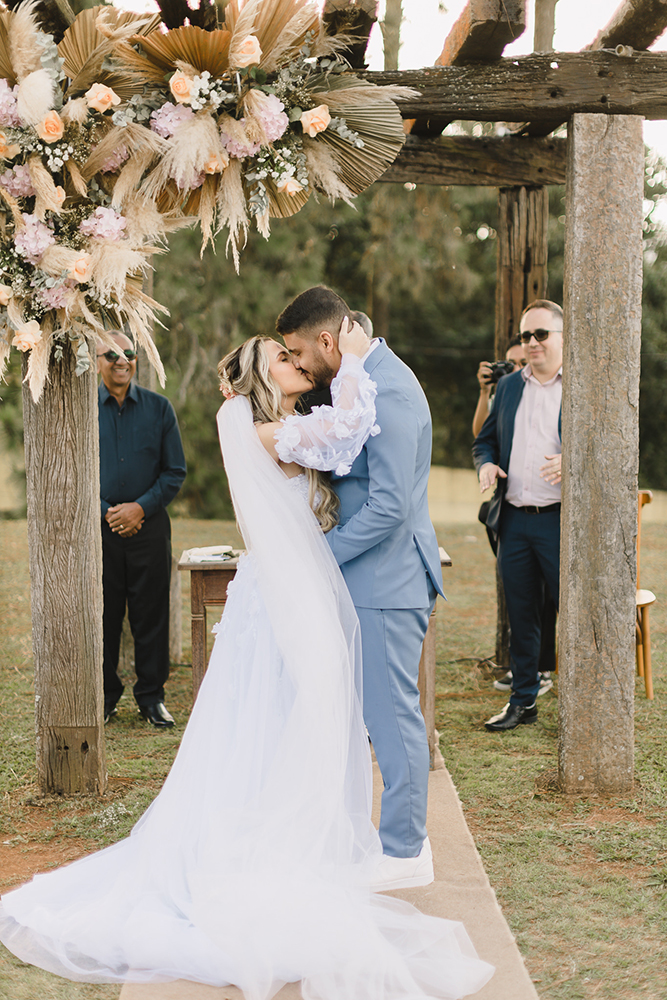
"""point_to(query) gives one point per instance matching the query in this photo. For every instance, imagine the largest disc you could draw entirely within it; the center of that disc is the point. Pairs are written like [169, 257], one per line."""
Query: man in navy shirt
[142, 467]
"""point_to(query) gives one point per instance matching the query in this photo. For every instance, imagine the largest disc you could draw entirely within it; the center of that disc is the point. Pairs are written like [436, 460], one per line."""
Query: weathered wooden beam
[482, 31]
[537, 87]
[491, 162]
[603, 290]
[636, 23]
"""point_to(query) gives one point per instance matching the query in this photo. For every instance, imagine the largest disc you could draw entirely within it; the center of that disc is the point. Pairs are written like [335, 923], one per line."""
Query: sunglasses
[112, 356]
[539, 335]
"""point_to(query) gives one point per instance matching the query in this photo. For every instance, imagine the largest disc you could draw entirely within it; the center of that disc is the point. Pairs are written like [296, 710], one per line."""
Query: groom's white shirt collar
[374, 344]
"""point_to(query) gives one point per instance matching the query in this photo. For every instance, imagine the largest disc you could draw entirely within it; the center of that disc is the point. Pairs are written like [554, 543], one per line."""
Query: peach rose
[181, 87]
[215, 164]
[5, 294]
[61, 194]
[27, 336]
[8, 152]
[101, 98]
[248, 53]
[315, 120]
[289, 185]
[51, 127]
[79, 269]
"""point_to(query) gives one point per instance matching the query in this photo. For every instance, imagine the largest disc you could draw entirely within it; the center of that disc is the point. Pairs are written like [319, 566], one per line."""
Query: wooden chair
[645, 598]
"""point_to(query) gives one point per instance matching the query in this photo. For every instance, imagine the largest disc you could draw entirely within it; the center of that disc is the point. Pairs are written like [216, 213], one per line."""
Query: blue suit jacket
[494, 441]
[385, 543]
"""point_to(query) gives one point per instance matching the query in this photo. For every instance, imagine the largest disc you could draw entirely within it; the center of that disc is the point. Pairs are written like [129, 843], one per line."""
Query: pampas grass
[47, 199]
[323, 170]
[194, 143]
[38, 364]
[24, 49]
[232, 209]
[35, 97]
[111, 262]
[5, 351]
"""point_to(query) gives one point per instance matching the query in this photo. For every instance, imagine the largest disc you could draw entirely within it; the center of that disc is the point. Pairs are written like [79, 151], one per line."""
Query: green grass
[582, 882]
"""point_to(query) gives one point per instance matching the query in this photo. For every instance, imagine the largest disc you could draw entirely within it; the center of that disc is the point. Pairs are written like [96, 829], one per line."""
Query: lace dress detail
[330, 437]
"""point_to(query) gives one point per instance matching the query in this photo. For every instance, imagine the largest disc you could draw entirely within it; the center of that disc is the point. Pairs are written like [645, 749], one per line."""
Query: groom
[387, 551]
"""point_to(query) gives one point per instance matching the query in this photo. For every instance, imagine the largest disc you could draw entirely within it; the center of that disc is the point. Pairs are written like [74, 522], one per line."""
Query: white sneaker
[505, 683]
[403, 873]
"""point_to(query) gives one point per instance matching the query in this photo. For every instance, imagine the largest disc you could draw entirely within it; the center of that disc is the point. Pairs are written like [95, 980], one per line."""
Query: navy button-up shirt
[141, 455]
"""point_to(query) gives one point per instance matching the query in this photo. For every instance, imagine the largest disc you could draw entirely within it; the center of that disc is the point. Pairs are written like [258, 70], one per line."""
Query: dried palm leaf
[380, 126]
[205, 50]
[6, 68]
[24, 48]
[281, 205]
[84, 48]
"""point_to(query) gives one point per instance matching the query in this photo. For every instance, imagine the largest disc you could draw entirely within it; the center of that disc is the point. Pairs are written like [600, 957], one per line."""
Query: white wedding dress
[251, 867]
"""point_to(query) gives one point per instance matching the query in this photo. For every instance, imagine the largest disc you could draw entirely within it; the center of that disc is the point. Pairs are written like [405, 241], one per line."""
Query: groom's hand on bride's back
[352, 339]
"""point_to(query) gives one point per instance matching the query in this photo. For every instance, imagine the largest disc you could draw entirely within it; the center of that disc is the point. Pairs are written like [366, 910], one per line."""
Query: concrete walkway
[461, 891]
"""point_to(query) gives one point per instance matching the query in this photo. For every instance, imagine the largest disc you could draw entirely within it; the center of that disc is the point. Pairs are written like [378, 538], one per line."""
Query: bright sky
[426, 24]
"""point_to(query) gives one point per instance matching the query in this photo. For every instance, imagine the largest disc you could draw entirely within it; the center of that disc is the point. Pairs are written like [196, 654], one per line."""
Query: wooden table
[208, 588]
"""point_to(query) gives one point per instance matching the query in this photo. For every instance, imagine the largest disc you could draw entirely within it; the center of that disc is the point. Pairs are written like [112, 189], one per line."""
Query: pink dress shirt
[535, 436]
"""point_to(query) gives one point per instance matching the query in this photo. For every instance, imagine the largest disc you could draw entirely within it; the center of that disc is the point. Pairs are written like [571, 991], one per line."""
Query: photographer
[488, 375]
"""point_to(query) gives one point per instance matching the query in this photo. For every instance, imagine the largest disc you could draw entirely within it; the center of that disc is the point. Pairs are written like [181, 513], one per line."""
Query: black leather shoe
[157, 715]
[511, 717]
[110, 708]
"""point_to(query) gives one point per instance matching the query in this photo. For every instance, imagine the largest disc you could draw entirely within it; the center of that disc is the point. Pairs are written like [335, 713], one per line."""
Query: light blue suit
[387, 551]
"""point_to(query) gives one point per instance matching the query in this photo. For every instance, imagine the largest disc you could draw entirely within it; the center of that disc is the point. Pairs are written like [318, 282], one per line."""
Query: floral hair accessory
[227, 391]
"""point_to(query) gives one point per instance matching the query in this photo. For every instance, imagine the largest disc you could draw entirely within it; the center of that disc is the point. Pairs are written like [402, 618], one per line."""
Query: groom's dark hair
[318, 308]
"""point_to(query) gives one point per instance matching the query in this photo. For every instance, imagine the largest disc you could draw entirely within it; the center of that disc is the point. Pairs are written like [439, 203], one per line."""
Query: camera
[498, 369]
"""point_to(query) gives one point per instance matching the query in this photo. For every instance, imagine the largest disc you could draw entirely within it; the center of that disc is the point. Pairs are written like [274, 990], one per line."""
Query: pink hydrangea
[8, 112]
[115, 160]
[166, 119]
[237, 148]
[272, 117]
[105, 223]
[33, 239]
[17, 182]
[197, 182]
[53, 298]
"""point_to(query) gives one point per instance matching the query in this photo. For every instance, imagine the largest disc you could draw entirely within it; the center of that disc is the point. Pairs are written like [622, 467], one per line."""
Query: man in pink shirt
[519, 450]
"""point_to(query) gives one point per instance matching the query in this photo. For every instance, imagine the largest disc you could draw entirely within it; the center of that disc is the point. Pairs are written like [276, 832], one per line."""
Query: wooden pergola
[602, 94]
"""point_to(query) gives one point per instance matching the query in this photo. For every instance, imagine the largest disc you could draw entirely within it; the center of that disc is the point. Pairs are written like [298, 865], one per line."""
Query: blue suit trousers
[528, 557]
[391, 642]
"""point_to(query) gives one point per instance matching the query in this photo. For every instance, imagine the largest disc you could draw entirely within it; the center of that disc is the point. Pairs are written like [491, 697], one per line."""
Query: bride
[253, 865]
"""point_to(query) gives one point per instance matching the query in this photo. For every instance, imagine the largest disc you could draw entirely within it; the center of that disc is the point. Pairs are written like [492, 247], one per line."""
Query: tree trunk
[603, 290]
[63, 490]
[391, 33]
[545, 23]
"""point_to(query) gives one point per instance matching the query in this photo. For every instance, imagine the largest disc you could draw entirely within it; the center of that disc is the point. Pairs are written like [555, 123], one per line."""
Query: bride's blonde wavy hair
[245, 372]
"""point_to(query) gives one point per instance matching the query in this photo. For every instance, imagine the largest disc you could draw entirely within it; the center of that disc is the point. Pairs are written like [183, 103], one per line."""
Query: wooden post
[523, 218]
[63, 491]
[603, 290]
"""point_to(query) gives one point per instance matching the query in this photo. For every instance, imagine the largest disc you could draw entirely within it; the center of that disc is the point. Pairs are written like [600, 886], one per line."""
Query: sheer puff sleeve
[330, 437]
